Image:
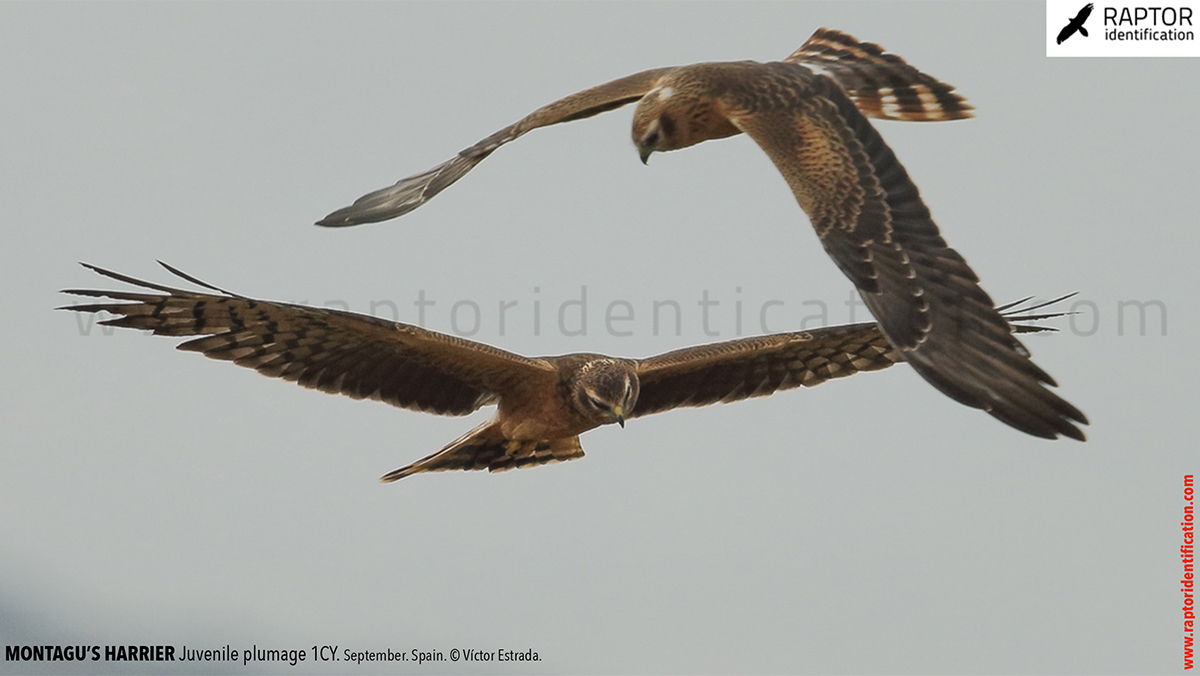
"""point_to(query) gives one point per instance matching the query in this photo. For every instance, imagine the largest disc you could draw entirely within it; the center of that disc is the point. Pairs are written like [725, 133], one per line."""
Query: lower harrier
[809, 114]
[543, 404]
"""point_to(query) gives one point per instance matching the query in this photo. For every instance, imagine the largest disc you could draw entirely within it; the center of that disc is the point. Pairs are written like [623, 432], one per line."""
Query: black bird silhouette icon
[1076, 24]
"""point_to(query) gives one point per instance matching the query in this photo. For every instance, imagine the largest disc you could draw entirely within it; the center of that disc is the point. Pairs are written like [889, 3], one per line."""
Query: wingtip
[115, 275]
[1071, 431]
[331, 221]
[76, 292]
[395, 475]
[357, 214]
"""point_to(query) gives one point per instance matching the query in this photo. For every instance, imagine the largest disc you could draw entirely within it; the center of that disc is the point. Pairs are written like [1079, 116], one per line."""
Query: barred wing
[873, 223]
[758, 366]
[334, 351]
[761, 365]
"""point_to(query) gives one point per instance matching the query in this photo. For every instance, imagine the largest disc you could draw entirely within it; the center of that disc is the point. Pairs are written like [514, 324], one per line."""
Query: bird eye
[667, 124]
[651, 139]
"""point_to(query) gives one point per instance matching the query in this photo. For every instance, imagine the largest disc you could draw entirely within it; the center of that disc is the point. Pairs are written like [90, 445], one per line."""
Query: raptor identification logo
[1122, 28]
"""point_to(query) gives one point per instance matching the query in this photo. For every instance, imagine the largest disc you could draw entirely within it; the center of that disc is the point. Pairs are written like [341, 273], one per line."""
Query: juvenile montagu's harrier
[683, 105]
[808, 112]
[543, 404]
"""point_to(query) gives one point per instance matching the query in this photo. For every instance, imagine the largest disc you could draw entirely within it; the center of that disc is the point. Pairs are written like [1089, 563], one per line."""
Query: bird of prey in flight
[543, 404]
[809, 114]
[1076, 24]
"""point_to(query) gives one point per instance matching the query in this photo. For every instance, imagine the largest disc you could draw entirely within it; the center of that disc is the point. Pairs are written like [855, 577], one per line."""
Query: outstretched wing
[411, 192]
[882, 85]
[762, 365]
[873, 223]
[758, 366]
[486, 448]
[329, 350]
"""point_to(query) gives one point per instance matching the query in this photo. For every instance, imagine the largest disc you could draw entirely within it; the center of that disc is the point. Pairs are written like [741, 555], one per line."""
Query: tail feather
[486, 448]
[881, 85]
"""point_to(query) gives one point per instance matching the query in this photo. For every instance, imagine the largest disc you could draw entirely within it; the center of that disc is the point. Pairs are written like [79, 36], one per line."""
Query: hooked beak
[644, 153]
[620, 413]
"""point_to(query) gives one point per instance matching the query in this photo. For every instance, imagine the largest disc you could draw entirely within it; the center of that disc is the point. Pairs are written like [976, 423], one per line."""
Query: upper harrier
[809, 113]
[543, 404]
[714, 100]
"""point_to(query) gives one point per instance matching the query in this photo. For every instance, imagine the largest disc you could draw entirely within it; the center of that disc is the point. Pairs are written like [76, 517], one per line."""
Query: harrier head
[655, 122]
[605, 390]
[680, 112]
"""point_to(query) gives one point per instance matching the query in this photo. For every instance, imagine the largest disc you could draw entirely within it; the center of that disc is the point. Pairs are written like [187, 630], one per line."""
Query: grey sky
[869, 525]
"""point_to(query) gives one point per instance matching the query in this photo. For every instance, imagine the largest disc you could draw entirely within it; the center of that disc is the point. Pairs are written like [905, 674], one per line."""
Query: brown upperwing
[873, 223]
[761, 365]
[413, 191]
[758, 366]
[334, 351]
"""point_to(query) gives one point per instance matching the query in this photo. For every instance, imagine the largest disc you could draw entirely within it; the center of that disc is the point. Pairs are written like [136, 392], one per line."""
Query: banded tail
[882, 85]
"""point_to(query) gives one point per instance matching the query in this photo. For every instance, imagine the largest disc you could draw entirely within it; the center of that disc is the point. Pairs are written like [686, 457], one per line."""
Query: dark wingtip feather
[130, 280]
[396, 475]
[180, 273]
[1013, 313]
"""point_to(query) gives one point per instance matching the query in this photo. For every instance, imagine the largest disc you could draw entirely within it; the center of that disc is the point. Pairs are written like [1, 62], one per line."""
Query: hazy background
[869, 525]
